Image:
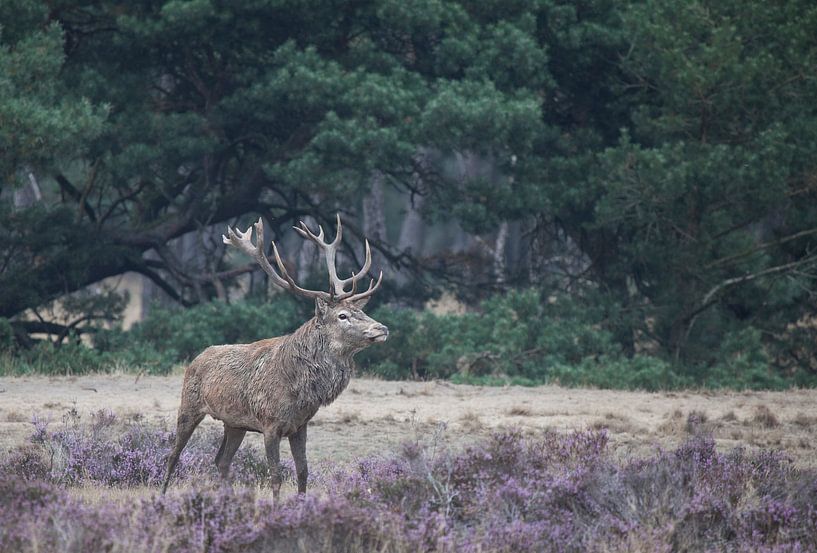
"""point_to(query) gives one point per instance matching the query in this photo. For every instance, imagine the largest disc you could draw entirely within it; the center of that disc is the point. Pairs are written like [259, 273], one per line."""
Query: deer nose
[377, 332]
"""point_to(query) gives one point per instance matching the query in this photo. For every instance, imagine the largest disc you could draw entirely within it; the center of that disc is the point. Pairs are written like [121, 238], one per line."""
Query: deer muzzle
[377, 333]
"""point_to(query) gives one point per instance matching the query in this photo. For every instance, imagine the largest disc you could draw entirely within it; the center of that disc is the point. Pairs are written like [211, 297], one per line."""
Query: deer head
[340, 311]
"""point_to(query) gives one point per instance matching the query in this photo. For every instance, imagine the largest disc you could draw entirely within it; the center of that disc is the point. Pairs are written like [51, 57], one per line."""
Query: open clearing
[374, 416]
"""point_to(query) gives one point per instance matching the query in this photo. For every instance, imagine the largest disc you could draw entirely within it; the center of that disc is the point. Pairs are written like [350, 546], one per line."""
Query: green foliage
[672, 144]
[172, 336]
[490, 380]
[185, 333]
[6, 335]
[745, 363]
[167, 338]
[696, 214]
[66, 359]
[142, 120]
[521, 338]
[637, 373]
[41, 120]
[513, 336]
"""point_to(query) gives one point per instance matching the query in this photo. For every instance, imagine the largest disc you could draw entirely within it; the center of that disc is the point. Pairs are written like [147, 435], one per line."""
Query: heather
[105, 450]
[546, 491]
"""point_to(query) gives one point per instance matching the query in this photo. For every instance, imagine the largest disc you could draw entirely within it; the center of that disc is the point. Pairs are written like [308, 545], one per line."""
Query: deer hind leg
[220, 452]
[185, 425]
[272, 445]
[297, 443]
[229, 445]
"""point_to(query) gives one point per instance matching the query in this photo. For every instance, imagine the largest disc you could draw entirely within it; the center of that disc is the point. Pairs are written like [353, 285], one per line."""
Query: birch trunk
[374, 217]
[500, 259]
[28, 195]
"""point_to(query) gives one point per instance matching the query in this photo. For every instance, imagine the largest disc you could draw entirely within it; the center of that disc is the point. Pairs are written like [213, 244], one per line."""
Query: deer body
[251, 386]
[275, 386]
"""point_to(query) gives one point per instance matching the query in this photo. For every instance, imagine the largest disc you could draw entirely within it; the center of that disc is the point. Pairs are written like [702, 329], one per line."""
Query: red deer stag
[276, 386]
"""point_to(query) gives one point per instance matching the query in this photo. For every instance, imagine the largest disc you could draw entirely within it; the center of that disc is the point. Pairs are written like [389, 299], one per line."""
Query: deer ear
[321, 307]
[361, 303]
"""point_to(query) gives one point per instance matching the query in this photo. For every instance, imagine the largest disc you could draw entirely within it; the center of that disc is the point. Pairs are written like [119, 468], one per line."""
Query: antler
[243, 241]
[338, 285]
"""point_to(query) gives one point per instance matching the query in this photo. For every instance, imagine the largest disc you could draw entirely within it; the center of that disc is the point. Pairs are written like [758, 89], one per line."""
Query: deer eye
[343, 316]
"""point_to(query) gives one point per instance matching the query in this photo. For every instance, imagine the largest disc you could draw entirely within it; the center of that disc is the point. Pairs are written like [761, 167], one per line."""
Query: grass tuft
[764, 417]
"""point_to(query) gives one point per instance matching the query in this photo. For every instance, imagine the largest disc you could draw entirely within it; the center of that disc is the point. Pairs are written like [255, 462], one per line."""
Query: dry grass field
[373, 416]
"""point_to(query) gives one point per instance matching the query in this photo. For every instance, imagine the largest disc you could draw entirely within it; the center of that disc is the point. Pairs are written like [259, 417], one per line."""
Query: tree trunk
[412, 233]
[307, 254]
[28, 195]
[500, 260]
[374, 217]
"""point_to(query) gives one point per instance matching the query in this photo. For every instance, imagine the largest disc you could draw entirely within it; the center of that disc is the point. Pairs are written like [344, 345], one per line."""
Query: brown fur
[274, 386]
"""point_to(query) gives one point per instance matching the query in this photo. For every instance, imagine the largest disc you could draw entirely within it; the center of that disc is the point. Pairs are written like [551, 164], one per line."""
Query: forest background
[615, 194]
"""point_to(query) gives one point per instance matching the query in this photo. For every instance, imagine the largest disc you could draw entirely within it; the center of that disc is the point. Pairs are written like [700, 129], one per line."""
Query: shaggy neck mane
[318, 370]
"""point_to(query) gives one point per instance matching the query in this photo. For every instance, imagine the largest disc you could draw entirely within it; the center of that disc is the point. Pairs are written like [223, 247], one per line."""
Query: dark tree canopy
[666, 150]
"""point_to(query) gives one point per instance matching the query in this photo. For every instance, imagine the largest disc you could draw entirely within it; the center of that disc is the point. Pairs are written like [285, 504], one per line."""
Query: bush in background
[517, 338]
[520, 338]
[49, 359]
[524, 338]
[171, 336]
[516, 334]
[166, 338]
[183, 334]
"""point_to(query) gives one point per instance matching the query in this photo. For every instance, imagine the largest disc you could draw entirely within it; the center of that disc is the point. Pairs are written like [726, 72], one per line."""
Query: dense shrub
[524, 338]
[744, 363]
[171, 336]
[185, 333]
[516, 338]
[639, 372]
[548, 492]
[65, 359]
[164, 339]
[516, 334]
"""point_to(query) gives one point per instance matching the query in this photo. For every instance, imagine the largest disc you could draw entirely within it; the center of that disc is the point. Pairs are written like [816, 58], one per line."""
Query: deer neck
[321, 369]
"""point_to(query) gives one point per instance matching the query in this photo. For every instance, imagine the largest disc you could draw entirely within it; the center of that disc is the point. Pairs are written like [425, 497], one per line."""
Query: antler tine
[243, 241]
[281, 267]
[292, 284]
[339, 235]
[336, 284]
[367, 264]
[259, 233]
[304, 231]
[373, 286]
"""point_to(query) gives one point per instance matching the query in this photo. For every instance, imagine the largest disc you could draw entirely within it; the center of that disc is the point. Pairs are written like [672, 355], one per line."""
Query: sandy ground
[374, 416]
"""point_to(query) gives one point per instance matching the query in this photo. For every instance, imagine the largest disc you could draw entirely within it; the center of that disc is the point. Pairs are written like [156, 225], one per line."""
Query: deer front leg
[272, 445]
[297, 443]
